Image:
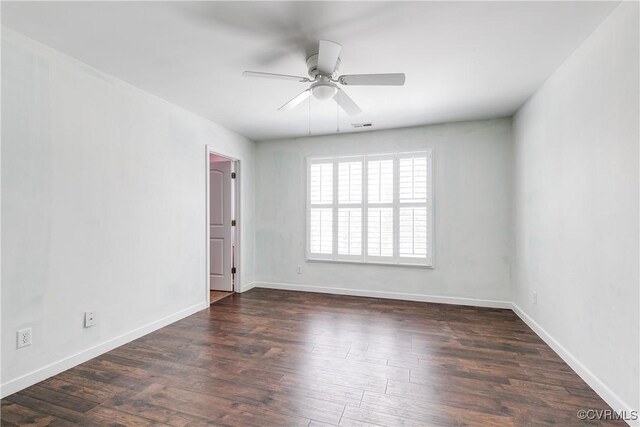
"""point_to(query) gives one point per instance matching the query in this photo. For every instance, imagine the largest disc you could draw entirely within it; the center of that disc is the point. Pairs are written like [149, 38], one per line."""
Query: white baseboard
[246, 287]
[612, 399]
[55, 368]
[384, 294]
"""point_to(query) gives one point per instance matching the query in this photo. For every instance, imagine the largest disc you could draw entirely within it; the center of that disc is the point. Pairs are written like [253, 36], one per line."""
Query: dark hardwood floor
[215, 296]
[276, 358]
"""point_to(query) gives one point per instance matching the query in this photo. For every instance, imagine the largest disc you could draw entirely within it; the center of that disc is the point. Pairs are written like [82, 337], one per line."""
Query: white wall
[103, 207]
[472, 163]
[576, 209]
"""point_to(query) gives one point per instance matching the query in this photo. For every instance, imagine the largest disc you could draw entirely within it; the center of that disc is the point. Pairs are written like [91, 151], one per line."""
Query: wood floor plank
[102, 415]
[146, 410]
[21, 415]
[58, 398]
[350, 422]
[279, 358]
[58, 412]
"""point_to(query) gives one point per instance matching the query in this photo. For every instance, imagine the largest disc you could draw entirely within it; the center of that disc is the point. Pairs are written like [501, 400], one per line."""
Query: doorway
[222, 226]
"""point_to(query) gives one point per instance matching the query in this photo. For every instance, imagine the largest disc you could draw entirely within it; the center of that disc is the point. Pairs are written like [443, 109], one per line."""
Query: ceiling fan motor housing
[312, 66]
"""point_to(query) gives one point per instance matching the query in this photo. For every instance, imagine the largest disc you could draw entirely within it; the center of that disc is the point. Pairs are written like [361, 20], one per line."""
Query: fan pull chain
[338, 114]
[309, 116]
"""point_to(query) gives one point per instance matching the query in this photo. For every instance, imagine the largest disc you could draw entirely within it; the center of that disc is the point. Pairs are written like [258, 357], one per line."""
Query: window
[371, 209]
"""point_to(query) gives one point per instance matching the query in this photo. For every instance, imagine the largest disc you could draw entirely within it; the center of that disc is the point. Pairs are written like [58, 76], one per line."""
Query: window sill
[386, 264]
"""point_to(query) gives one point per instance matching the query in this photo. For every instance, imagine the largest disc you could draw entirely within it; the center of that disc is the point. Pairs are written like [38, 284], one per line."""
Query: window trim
[364, 258]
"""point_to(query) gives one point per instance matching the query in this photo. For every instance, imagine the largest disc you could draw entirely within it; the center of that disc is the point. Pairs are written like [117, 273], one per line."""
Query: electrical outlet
[299, 269]
[90, 318]
[24, 337]
[535, 298]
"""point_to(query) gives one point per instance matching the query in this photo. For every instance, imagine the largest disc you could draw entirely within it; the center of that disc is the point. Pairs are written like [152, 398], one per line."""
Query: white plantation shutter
[413, 212]
[380, 181]
[349, 231]
[320, 216]
[350, 182]
[413, 232]
[376, 209]
[321, 231]
[321, 183]
[380, 232]
[380, 215]
[413, 179]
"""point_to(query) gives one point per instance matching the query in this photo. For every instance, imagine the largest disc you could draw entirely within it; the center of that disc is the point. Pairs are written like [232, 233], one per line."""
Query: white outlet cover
[24, 337]
[90, 318]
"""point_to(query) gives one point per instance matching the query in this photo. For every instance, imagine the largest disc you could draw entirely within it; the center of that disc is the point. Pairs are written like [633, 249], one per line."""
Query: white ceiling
[463, 60]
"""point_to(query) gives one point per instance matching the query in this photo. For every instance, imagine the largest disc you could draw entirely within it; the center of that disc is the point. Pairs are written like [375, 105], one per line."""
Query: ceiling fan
[323, 69]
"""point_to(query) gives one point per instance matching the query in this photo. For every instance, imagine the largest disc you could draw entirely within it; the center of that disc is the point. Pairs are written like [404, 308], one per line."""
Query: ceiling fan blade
[393, 79]
[328, 55]
[274, 76]
[346, 103]
[295, 101]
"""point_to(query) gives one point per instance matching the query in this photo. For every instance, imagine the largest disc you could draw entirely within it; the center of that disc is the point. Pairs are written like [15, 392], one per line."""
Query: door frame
[235, 231]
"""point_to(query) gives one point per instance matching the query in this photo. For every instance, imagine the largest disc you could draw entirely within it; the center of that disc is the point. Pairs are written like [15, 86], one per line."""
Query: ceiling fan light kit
[323, 89]
[323, 69]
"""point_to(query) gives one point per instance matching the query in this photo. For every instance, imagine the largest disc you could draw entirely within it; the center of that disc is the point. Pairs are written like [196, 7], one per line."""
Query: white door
[220, 278]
